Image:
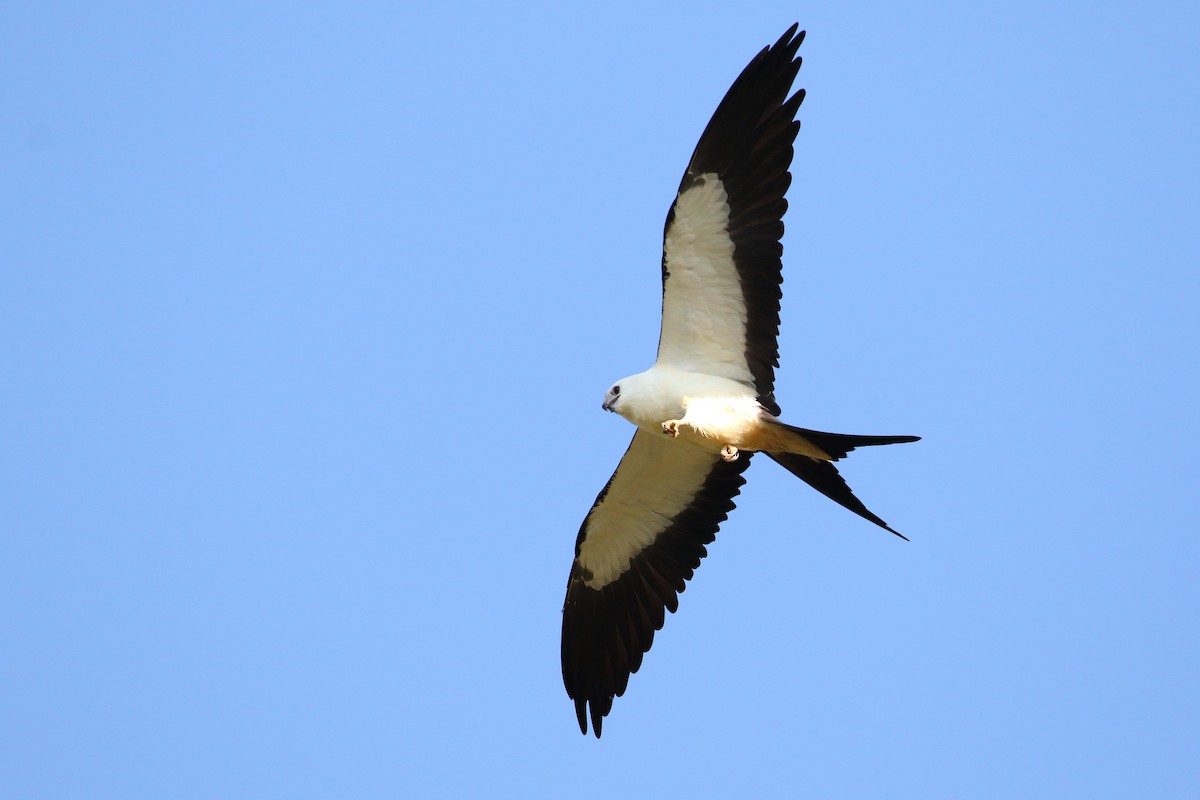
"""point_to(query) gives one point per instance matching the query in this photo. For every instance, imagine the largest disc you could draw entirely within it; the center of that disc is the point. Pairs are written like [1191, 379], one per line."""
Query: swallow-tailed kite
[708, 402]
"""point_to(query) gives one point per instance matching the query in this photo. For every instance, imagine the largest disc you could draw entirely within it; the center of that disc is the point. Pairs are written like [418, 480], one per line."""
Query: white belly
[718, 421]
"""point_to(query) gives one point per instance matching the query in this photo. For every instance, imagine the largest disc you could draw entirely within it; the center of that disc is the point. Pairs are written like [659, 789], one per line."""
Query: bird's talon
[671, 428]
[729, 453]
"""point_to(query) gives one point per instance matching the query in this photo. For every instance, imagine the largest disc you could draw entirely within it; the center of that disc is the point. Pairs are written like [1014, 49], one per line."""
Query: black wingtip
[789, 34]
[581, 714]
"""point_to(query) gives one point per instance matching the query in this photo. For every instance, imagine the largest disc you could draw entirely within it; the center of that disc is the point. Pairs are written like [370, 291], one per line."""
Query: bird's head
[628, 397]
[611, 397]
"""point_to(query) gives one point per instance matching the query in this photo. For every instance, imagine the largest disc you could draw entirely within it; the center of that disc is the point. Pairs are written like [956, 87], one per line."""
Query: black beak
[607, 406]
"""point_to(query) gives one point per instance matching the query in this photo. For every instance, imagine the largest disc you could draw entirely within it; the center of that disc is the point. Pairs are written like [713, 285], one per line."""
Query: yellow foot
[729, 453]
[671, 428]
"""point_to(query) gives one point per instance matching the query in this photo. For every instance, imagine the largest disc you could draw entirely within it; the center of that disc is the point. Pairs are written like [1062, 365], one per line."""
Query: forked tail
[837, 445]
[822, 475]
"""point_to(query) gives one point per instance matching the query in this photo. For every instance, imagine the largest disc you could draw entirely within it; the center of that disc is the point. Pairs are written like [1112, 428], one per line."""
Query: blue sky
[305, 320]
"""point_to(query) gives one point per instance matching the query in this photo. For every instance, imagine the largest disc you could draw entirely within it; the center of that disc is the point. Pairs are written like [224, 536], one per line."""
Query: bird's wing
[640, 543]
[721, 244]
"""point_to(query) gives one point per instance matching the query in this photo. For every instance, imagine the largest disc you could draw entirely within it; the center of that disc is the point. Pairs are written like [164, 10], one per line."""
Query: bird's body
[709, 411]
[716, 407]
[707, 404]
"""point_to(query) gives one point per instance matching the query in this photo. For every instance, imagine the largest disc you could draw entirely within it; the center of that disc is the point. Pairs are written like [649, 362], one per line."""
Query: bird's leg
[672, 426]
[729, 453]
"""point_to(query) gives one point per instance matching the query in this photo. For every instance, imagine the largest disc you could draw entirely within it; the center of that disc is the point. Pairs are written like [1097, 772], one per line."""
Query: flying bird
[708, 403]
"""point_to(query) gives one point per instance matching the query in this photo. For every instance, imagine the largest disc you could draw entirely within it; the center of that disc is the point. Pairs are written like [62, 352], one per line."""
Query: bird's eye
[616, 390]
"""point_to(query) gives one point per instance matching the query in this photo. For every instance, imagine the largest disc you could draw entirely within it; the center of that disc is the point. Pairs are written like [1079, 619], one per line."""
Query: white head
[643, 399]
[617, 398]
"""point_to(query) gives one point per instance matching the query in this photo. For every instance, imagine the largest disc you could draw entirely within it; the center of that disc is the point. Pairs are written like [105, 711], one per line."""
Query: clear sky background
[306, 314]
